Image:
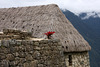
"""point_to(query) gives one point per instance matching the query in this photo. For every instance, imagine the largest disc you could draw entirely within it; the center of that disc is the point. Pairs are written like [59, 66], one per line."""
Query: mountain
[87, 15]
[88, 25]
[92, 19]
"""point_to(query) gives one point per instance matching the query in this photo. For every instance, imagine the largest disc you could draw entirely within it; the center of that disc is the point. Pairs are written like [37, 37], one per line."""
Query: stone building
[41, 19]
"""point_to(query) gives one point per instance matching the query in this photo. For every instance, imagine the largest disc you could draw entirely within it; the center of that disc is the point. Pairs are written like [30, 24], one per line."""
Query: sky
[75, 6]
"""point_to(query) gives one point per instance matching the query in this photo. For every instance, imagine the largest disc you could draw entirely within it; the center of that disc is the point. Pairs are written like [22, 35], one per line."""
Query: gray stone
[26, 64]
[4, 63]
[36, 43]
[29, 48]
[36, 55]
[20, 65]
[29, 57]
[16, 54]
[22, 48]
[0, 42]
[37, 48]
[22, 54]
[33, 63]
[13, 49]
[2, 56]
[78, 59]
[18, 42]
[33, 54]
[40, 65]
[5, 43]
[22, 60]
[14, 63]
[12, 42]
[10, 57]
[4, 50]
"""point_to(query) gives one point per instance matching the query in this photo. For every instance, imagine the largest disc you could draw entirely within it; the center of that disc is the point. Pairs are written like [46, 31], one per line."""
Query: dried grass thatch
[41, 19]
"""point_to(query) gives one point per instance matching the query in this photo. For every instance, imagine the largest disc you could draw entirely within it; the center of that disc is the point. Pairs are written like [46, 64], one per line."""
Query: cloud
[75, 6]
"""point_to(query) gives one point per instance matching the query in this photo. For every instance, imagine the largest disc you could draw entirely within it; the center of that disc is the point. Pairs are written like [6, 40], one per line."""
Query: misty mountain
[88, 25]
[92, 20]
[87, 15]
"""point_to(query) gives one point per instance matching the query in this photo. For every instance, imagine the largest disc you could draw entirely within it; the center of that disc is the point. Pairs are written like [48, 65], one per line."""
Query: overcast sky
[75, 6]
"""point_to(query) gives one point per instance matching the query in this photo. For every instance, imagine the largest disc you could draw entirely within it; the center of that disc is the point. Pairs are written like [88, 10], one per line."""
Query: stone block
[36, 43]
[22, 54]
[4, 50]
[29, 48]
[5, 43]
[22, 60]
[12, 42]
[2, 56]
[26, 64]
[33, 63]
[10, 57]
[37, 48]
[18, 42]
[0, 42]
[16, 54]
[29, 57]
[22, 48]
[36, 55]
[13, 63]
[5, 31]
[14, 49]
[4, 63]
[40, 65]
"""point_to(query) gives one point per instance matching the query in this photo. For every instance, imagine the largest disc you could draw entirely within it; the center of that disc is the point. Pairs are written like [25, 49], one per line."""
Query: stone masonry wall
[79, 59]
[30, 53]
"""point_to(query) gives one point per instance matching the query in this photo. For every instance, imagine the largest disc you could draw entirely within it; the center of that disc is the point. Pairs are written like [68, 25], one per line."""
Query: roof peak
[33, 6]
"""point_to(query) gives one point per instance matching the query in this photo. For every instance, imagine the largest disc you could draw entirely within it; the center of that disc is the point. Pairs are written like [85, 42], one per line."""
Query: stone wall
[79, 59]
[14, 34]
[31, 53]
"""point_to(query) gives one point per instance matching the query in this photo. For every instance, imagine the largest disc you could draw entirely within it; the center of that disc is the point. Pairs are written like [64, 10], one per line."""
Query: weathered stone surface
[10, 57]
[36, 55]
[22, 60]
[22, 54]
[40, 65]
[18, 42]
[4, 63]
[26, 65]
[4, 50]
[29, 57]
[29, 48]
[5, 43]
[14, 49]
[2, 56]
[13, 63]
[37, 48]
[36, 43]
[12, 42]
[0, 42]
[16, 54]
[33, 63]
[80, 59]
[18, 49]
[26, 53]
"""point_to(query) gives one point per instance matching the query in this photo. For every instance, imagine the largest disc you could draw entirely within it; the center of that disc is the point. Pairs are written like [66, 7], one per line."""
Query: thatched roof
[41, 19]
